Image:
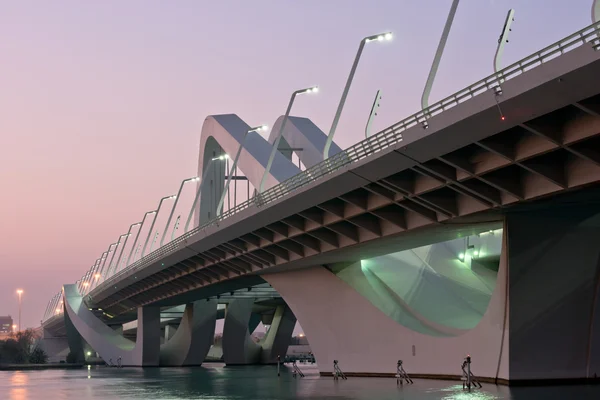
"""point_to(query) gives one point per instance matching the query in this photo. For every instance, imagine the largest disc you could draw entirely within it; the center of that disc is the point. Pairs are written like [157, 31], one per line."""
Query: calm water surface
[245, 383]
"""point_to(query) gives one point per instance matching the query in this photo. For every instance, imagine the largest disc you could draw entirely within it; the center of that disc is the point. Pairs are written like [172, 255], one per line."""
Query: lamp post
[98, 274]
[234, 165]
[110, 263]
[20, 294]
[510, 17]
[274, 149]
[125, 243]
[374, 38]
[82, 280]
[202, 181]
[138, 235]
[596, 11]
[194, 179]
[97, 271]
[154, 221]
[438, 56]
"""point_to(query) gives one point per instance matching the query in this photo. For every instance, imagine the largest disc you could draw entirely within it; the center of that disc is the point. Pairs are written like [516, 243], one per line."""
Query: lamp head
[386, 36]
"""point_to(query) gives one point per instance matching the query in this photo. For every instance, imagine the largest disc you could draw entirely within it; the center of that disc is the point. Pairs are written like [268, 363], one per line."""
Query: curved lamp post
[194, 179]
[154, 222]
[374, 38]
[510, 17]
[438, 56]
[596, 11]
[274, 149]
[138, 235]
[234, 165]
[110, 263]
[202, 181]
[125, 244]
[82, 280]
[98, 275]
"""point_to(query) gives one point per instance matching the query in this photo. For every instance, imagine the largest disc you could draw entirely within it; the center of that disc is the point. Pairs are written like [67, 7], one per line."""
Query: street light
[596, 11]
[138, 235]
[438, 56]
[92, 268]
[274, 149]
[110, 263]
[194, 179]
[20, 294]
[107, 252]
[154, 221]
[234, 165]
[202, 181]
[125, 243]
[386, 36]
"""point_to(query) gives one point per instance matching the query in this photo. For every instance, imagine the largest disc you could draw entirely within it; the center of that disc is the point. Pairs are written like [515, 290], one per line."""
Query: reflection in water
[217, 382]
[18, 386]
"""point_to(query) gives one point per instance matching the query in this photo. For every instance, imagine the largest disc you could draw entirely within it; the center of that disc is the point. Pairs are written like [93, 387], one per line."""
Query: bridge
[470, 227]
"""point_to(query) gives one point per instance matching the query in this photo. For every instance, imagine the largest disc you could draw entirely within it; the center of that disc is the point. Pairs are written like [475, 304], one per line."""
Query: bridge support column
[542, 321]
[148, 336]
[169, 332]
[74, 340]
[554, 287]
[55, 347]
[191, 342]
[82, 324]
[238, 346]
[280, 333]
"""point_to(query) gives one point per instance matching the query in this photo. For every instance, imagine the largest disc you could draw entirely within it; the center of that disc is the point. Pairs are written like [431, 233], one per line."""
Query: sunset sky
[102, 103]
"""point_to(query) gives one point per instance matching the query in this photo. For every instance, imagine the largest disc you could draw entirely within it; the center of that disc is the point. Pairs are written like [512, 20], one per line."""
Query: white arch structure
[221, 134]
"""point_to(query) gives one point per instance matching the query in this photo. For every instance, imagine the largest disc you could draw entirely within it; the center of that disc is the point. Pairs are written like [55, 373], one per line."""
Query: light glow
[461, 256]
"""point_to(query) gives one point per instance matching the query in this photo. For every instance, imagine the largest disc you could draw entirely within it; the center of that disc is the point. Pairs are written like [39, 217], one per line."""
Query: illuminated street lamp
[209, 168]
[125, 243]
[100, 273]
[110, 263]
[234, 165]
[154, 221]
[386, 36]
[274, 149]
[194, 179]
[20, 294]
[138, 235]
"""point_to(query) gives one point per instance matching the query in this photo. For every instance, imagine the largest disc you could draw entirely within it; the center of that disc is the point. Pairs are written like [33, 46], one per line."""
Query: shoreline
[38, 367]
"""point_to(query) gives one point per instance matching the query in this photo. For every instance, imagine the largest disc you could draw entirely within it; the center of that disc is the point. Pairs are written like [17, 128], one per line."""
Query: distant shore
[35, 367]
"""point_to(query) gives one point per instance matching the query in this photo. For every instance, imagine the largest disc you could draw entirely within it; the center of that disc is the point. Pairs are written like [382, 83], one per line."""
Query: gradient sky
[102, 102]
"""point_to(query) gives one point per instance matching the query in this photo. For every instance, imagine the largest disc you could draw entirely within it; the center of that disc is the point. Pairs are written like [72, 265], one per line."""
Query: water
[217, 382]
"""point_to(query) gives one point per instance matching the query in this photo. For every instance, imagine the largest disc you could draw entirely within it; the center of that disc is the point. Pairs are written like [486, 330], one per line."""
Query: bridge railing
[377, 142]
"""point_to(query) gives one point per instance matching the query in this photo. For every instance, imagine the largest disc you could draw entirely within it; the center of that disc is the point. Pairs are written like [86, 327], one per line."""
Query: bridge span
[471, 227]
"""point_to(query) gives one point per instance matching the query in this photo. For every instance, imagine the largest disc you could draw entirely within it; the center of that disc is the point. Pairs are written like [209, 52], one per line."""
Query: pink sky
[102, 102]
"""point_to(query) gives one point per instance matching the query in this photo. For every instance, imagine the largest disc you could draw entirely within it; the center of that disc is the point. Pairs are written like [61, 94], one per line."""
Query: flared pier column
[238, 346]
[279, 336]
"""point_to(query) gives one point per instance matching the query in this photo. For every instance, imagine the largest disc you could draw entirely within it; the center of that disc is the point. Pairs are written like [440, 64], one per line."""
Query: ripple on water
[217, 382]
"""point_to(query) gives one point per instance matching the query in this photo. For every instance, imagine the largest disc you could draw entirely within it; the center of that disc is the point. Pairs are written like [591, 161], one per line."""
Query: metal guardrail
[377, 142]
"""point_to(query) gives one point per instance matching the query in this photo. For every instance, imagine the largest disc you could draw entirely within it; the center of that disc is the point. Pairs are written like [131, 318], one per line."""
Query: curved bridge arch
[224, 133]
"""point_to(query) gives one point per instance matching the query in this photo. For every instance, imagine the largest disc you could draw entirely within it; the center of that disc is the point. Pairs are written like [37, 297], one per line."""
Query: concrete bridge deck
[467, 166]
